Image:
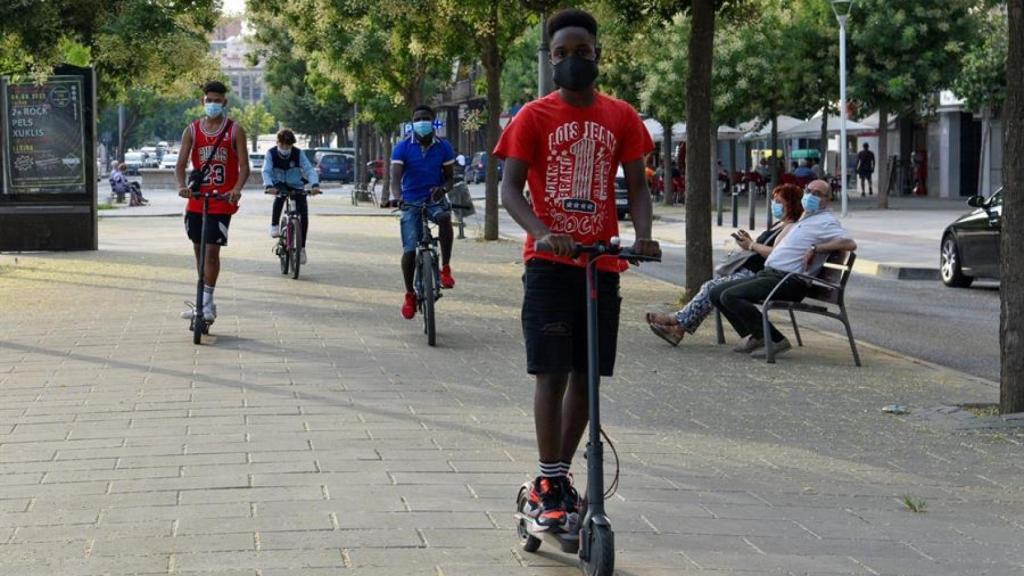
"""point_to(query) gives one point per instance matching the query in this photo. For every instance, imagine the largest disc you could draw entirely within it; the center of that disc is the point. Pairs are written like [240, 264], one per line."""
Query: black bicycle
[289, 243]
[592, 537]
[198, 323]
[427, 278]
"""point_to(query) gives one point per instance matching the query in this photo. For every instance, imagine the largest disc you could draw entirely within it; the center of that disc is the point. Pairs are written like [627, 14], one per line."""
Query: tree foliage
[159, 47]
[982, 78]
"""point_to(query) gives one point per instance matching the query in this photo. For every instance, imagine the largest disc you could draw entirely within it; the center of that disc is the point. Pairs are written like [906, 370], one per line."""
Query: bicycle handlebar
[285, 190]
[602, 249]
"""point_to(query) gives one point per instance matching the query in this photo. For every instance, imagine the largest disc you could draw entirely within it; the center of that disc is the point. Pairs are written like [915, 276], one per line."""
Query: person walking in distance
[865, 168]
[216, 139]
[568, 146]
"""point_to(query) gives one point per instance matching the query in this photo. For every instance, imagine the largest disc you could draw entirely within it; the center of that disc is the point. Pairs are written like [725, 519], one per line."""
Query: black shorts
[216, 227]
[555, 318]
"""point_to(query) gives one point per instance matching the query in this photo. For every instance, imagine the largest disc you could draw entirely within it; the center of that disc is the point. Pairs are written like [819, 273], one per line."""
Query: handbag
[734, 262]
[197, 177]
[460, 196]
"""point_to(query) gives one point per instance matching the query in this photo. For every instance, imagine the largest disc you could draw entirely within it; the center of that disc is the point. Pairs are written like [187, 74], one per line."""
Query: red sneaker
[409, 308]
[447, 281]
[547, 504]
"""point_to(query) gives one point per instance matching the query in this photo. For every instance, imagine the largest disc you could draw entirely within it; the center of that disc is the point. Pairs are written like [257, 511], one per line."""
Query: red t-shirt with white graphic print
[573, 154]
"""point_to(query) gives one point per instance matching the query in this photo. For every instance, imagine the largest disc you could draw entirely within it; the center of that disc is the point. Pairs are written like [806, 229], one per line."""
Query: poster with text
[44, 148]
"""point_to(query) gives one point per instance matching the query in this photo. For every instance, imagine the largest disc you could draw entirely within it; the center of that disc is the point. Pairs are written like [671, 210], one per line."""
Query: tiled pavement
[318, 434]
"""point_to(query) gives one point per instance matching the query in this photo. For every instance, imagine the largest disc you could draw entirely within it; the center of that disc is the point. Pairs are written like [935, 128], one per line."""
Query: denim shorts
[412, 228]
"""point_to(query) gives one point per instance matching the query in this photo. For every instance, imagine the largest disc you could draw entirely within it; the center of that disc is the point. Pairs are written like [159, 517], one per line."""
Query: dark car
[476, 171]
[621, 194]
[970, 246]
[337, 167]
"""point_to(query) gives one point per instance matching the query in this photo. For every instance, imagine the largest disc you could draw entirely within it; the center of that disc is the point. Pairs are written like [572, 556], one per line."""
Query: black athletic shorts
[555, 318]
[216, 227]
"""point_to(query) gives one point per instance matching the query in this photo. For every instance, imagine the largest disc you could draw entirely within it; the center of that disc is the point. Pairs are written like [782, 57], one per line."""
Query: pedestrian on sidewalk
[422, 174]
[568, 146]
[786, 209]
[865, 168]
[804, 250]
[214, 140]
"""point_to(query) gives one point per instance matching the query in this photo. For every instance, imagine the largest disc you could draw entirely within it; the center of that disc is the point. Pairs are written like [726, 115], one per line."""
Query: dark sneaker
[447, 280]
[409, 307]
[749, 345]
[573, 502]
[547, 503]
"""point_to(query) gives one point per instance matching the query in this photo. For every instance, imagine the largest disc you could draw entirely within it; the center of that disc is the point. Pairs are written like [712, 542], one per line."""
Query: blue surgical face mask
[213, 109]
[810, 202]
[423, 128]
[777, 210]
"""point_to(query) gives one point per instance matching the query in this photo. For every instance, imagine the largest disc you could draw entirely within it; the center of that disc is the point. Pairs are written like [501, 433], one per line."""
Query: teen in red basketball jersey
[219, 140]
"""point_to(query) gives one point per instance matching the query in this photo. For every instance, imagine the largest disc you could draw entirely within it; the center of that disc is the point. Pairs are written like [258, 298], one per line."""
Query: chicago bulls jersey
[222, 175]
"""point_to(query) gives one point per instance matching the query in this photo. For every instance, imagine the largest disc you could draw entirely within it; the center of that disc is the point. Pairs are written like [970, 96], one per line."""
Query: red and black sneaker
[547, 503]
[573, 502]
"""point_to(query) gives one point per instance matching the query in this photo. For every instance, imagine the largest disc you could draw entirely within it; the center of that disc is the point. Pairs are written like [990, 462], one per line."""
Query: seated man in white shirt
[804, 249]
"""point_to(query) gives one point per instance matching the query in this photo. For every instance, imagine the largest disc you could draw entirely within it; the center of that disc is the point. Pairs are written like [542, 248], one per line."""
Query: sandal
[652, 318]
[666, 334]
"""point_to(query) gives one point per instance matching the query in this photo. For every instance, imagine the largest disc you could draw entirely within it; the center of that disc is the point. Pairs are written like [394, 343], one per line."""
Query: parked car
[134, 161]
[476, 170]
[169, 161]
[149, 157]
[621, 194]
[256, 160]
[337, 167]
[970, 245]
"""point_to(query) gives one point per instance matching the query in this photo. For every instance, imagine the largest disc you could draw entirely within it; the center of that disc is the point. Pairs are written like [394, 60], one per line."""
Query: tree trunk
[777, 161]
[1011, 320]
[668, 189]
[882, 160]
[698, 149]
[385, 190]
[492, 64]
[823, 144]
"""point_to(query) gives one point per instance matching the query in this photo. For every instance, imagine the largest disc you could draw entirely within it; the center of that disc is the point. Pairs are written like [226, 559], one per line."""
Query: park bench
[826, 297]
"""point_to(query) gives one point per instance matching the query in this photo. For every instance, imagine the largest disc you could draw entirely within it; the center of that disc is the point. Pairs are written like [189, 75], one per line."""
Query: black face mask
[575, 73]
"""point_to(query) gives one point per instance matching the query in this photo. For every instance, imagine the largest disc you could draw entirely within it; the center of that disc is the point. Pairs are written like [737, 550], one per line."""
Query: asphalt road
[957, 328]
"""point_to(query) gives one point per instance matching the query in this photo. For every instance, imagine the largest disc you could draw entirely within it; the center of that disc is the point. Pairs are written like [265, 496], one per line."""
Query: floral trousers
[691, 316]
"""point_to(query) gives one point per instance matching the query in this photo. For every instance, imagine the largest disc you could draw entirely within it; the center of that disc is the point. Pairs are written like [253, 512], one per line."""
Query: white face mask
[284, 151]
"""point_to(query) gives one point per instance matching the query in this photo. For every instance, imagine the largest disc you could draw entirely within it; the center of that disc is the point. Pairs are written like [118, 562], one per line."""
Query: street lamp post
[842, 11]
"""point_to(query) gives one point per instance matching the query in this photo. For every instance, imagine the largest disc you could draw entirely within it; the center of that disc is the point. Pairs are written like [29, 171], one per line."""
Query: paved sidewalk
[318, 434]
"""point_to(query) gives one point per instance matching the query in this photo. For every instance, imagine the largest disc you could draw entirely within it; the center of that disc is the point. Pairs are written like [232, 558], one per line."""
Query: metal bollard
[735, 210]
[718, 204]
[752, 203]
[768, 209]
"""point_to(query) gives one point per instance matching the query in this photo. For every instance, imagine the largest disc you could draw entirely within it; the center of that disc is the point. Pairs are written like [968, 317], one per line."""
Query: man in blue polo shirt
[422, 173]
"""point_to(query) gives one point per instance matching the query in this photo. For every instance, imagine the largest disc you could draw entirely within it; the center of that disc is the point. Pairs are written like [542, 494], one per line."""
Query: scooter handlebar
[602, 249]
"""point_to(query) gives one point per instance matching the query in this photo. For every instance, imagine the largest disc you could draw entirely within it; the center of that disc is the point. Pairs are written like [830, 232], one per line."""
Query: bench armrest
[805, 278]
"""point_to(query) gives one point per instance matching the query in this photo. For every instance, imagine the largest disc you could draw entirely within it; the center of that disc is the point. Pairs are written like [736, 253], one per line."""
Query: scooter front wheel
[602, 552]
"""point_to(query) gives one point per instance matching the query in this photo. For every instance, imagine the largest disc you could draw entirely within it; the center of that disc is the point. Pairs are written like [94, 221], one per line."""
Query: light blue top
[291, 176]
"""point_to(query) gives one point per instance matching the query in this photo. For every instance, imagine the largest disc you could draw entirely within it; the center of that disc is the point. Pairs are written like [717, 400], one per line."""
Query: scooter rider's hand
[184, 192]
[234, 196]
[647, 247]
[561, 244]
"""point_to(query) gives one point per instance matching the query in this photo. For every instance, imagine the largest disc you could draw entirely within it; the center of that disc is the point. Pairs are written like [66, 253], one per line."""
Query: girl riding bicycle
[287, 165]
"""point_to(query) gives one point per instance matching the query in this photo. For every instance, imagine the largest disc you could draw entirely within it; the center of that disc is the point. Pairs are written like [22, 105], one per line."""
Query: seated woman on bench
[786, 209]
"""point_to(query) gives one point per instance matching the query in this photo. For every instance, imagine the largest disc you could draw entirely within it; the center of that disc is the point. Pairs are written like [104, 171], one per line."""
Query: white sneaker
[210, 312]
[188, 314]
[275, 231]
[302, 256]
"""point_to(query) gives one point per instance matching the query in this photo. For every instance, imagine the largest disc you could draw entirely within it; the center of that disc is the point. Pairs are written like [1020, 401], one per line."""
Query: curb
[894, 271]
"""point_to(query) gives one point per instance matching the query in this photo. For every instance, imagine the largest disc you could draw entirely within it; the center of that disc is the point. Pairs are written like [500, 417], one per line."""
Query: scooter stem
[595, 449]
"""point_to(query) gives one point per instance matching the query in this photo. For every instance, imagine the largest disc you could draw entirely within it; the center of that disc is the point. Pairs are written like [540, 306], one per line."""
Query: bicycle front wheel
[429, 295]
[296, 248]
